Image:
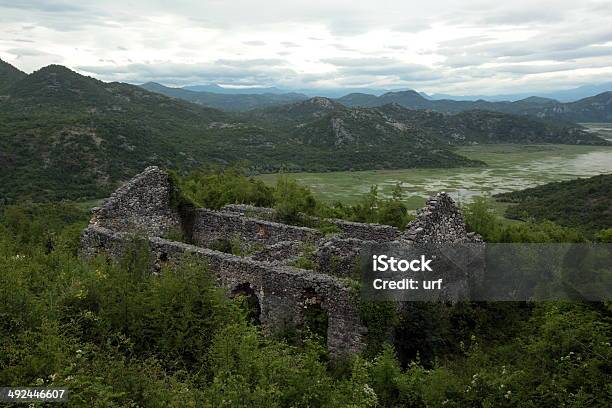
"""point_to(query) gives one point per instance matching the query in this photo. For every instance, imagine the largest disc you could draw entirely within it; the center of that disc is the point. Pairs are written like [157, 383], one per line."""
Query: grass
[603, 129]
[510, 168]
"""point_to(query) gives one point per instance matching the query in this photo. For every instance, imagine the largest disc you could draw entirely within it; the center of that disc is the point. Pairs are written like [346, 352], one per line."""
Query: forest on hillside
[585, 203]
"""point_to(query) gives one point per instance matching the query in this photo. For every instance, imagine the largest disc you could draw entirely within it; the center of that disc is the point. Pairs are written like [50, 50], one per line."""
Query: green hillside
[329, 121]
[68, 136]
[8, 76]
[63, 135]
[585, 204]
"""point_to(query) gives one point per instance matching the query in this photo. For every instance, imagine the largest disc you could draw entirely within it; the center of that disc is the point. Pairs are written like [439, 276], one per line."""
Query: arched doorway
[314, 315]
[251, 301]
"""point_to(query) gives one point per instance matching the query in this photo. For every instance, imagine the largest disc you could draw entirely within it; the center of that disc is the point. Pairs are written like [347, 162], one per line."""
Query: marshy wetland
[509, 168]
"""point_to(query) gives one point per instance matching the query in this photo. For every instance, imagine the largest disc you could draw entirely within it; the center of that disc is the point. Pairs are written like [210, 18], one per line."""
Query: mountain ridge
[225, 101]
[64, 135]
[69, 136]
[597, 108]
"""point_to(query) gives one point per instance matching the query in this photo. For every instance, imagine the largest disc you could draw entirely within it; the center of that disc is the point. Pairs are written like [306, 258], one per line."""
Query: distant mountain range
[323, 120]
[596, 108]
[225, 101]
[68, 136]
[563, 95]
[234, 91]
[310, 92]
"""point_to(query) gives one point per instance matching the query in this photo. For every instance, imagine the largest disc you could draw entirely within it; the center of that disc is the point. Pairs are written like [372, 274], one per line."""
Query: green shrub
[480, 218]
[291, 201]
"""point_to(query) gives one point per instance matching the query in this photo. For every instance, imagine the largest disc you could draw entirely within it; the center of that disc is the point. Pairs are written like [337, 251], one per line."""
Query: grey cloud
[465, 41]
[49, 6]
[567, 35]
[24, 52]
[557, 45]
[396, 47]
[259, 62]
[358, 62]
[242, 72]
[28, 52]
[412, 26]
[381, 67]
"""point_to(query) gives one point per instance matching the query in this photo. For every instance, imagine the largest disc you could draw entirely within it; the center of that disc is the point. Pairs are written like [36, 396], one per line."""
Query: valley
[510, 168]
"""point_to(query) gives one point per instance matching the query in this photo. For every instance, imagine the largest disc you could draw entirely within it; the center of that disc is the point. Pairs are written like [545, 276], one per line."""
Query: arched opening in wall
[250, 301]
[314, 316]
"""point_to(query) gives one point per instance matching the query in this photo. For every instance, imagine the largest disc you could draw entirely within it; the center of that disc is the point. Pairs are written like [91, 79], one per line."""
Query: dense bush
[119, 336]
[216, 188]
[291, 202]
[480, 217]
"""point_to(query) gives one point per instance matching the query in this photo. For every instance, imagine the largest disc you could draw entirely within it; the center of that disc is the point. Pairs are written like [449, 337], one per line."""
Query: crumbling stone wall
[144, 206]
[282, 291]
[210, 226]
[440, 221]
[358, 230]
[262, 213]
[283, 252]
[340, 256]
[368, 232]
[140, 205]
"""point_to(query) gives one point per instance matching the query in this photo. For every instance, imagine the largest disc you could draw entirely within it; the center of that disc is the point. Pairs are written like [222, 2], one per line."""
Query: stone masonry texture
[143, 206]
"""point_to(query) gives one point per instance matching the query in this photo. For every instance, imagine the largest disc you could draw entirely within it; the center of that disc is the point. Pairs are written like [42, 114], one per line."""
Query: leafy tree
[292, 201]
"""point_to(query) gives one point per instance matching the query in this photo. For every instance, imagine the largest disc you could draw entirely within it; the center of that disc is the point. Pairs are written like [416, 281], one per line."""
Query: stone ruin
[265, 271]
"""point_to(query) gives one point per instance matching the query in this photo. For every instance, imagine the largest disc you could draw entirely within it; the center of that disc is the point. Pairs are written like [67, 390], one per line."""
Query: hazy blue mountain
[310, 92]
[225, 102]
[234, 91]
[585, 91]
[563, 95]
[597, 108]
[339, 92]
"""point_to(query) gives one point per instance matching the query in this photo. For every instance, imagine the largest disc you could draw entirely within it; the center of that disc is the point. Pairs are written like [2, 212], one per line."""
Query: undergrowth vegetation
[118, 336]
[292, 203]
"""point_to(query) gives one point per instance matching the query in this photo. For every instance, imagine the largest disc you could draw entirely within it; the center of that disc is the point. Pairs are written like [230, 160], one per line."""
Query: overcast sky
[460, 47]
